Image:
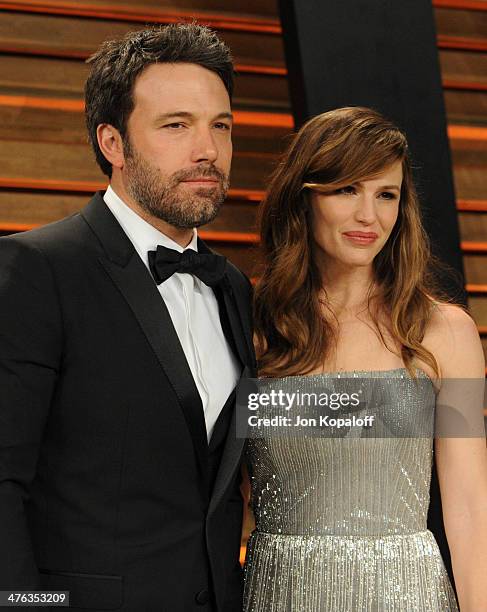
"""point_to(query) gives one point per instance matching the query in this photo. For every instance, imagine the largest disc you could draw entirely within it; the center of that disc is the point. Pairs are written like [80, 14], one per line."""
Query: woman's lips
[361, 237]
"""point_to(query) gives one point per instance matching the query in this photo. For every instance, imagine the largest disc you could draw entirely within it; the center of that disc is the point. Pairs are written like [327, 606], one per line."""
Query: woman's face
[352, 224]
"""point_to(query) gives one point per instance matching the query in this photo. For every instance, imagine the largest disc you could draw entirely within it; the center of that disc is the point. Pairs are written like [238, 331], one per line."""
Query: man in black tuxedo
[122, 340]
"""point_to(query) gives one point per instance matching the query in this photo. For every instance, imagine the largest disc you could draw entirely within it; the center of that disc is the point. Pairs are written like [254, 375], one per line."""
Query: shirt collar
[144, 236]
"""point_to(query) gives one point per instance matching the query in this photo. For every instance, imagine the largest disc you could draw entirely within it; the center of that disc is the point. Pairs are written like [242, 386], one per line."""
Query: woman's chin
[359, 260]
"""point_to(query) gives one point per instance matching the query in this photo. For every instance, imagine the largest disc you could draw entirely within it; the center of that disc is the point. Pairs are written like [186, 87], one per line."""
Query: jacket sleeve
[30, 352]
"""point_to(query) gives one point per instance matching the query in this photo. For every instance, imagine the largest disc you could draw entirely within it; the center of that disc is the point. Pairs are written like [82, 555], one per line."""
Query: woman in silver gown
[345, 292]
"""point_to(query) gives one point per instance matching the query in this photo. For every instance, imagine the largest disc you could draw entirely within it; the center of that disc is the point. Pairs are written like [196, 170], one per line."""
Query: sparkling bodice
[345, 485]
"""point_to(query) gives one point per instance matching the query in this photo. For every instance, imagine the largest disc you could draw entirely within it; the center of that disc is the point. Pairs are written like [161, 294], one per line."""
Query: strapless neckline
[351, 374]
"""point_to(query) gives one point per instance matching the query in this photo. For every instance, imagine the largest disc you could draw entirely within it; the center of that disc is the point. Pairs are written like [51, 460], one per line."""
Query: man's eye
[174, 126]
[222, 126]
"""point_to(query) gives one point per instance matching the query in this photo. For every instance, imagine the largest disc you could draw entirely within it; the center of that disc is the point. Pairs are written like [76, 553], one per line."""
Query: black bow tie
[208, 267]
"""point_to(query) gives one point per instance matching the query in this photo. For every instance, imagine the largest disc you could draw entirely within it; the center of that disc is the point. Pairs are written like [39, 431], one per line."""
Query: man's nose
[204, 147]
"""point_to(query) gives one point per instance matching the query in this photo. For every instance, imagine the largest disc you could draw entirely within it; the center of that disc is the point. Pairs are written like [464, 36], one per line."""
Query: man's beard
[162, 197]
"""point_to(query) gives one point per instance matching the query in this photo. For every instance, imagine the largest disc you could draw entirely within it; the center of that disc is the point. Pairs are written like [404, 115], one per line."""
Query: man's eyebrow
[181, 114]
[188, 115]
[225, 115]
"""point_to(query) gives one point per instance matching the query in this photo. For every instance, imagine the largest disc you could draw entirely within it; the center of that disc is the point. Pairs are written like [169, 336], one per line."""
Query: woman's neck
[347, 288]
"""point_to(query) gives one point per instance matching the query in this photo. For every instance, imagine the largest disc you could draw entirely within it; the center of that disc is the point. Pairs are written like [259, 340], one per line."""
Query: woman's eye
[387, 195]
[349, 189]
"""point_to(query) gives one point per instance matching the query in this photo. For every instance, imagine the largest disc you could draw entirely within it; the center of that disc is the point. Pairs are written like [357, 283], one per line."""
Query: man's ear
[111, 145]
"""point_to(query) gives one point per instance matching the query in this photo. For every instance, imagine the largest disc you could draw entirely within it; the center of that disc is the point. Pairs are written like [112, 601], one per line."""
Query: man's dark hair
[117, 64]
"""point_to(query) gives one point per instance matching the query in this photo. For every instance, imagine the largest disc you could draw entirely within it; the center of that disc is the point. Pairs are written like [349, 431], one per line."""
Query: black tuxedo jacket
[108, 487]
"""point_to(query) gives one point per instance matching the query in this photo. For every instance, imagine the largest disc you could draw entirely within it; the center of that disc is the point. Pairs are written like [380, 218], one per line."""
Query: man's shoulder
[238, 279]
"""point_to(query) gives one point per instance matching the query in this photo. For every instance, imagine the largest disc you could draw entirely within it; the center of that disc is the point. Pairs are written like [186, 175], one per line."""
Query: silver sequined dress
[341, 522]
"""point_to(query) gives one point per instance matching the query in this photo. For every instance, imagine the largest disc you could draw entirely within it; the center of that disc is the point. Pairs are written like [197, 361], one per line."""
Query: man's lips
[361, 237]
[201, 181]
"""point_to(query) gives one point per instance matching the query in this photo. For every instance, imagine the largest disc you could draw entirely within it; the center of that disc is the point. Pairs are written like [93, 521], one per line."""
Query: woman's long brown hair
[335, 149]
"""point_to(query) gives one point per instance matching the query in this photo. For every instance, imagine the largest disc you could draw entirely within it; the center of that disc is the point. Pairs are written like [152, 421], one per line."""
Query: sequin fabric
[341, 522]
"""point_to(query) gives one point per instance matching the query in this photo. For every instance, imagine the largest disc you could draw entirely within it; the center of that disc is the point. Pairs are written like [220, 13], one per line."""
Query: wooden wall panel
[42, 124]
[470, 182]
[51, 161]
[464, 66]
[239, 8]
[56, 34]
[34, 33]
[473, 226]
[478, 309]
[469, 107]
[462, 24]
[34, 208]
[475, 269]
[469, 157]
[41, 76]
[469, 146]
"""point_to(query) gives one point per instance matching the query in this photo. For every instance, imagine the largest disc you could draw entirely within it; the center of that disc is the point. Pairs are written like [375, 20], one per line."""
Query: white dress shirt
[194, 312]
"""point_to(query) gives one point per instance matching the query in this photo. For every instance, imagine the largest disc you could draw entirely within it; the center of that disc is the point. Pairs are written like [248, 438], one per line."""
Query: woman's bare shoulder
[446, 318]
[452, 336]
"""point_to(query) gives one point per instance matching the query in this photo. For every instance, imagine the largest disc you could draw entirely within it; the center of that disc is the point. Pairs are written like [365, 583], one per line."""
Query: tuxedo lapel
[235, 303]
[130, 275]
[227, 297]
[235, 321]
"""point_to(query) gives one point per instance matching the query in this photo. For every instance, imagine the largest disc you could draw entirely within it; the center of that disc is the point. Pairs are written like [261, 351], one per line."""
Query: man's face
[178, 146]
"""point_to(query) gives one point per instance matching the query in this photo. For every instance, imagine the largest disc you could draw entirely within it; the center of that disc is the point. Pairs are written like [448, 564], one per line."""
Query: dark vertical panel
[383, 55]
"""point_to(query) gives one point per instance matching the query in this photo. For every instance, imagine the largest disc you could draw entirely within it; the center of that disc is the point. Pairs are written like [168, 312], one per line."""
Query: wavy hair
[332, 150]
